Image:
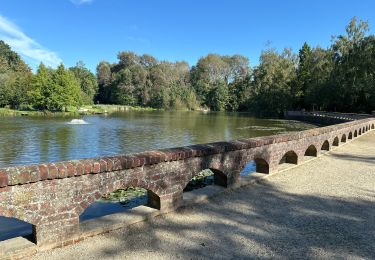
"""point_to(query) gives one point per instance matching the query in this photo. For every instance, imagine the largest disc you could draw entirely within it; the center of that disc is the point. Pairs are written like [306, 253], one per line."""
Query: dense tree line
[338, 78]
[47, 89]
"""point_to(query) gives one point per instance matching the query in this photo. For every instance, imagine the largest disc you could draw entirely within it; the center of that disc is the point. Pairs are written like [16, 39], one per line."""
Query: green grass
[73, 111]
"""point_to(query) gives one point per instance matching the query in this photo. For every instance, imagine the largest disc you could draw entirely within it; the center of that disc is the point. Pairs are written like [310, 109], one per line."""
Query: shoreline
[85, 110]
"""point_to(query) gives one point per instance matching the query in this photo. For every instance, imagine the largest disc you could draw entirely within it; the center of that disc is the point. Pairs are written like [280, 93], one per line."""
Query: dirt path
[322, 209]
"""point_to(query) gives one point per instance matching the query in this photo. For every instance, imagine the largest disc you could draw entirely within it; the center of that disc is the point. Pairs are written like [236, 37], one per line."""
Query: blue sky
[55, 31]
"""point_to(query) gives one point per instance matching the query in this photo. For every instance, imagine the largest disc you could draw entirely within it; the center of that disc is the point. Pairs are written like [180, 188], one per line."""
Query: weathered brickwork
[52, 196]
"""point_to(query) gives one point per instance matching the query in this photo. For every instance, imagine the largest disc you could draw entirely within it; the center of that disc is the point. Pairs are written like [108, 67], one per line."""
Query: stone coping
[19, 175]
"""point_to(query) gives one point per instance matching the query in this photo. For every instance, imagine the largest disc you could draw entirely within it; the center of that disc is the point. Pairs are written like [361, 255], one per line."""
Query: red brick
[123, 161]
[34, 173]
[96, 167]
[88, 167]
[116, 164]
[61, 171]
[23, 177]
[52, 172]
[109, 164]
[70, 170]
[129, 162]
[79, 169]
[103, 165]
[43, 172]
[3, 179]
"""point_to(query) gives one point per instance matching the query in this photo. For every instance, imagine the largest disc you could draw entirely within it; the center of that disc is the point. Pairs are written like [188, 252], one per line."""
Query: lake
[28, 140]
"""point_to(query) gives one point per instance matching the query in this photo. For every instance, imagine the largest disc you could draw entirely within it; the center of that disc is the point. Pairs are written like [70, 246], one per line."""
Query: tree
[55, 90]
[303, 76]
[317, 91]
[219, 96]
[104, 79]
[87, 81]
[348, 73]
[271, 90]
[214, 70]
[15, 77]
[41, 94]
[66, 90]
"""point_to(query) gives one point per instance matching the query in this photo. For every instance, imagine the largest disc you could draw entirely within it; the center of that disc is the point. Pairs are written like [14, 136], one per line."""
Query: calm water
[26, 140]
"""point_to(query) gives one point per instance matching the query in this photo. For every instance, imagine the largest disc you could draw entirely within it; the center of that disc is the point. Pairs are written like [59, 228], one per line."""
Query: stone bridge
[52, 196]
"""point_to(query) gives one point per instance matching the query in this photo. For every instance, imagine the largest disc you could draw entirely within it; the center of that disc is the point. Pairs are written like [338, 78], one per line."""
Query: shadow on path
[356, 158]
[257, 221]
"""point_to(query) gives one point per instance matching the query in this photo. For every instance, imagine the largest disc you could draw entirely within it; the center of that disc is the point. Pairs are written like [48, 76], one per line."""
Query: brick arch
[262, 166]
[311, 151]
[261, 159]
[325, 146]
[15, 213]
[336, 141]
[289, 157]
[153, 192]
[23, 203]
[220, 178]
[350, 135]
[343, 138]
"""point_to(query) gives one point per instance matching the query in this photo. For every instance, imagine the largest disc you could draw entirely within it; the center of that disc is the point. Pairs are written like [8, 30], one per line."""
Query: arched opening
[360, 131]
[311, 151]
[220, 178]
[205, 178]
[363, 130]
[355, 133]
[350, 136]
[120, 201]
[343, 138]
[12, 228]
[372, 126]
[325, 146]
[206, 183]
[258, 165]
[366, 128]
[289, 157]
[335, 141]
[262, 166]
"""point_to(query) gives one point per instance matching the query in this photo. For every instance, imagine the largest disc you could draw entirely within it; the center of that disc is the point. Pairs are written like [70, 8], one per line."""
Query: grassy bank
[72, 111]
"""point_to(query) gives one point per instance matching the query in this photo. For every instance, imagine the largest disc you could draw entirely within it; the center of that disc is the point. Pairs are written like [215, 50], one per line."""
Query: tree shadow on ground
[256, 221]
[356, 158]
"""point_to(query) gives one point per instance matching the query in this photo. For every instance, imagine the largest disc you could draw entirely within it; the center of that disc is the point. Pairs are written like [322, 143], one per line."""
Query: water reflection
[34, 140]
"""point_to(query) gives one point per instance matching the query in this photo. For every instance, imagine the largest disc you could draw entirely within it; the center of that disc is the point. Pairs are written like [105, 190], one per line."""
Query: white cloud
[26, 46]
[80, 2]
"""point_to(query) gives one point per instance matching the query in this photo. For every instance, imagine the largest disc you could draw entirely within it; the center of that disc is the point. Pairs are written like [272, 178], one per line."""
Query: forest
[338, 78]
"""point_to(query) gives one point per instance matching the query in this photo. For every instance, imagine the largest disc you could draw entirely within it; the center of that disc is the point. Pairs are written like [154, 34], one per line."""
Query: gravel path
[324, 208]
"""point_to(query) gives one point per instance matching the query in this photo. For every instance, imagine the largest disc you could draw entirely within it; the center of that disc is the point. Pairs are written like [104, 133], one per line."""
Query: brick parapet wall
[52, 196]
[325, 118]
[48, 171]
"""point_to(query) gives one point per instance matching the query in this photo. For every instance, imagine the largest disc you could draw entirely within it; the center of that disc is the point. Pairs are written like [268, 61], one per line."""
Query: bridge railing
[334, 115]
